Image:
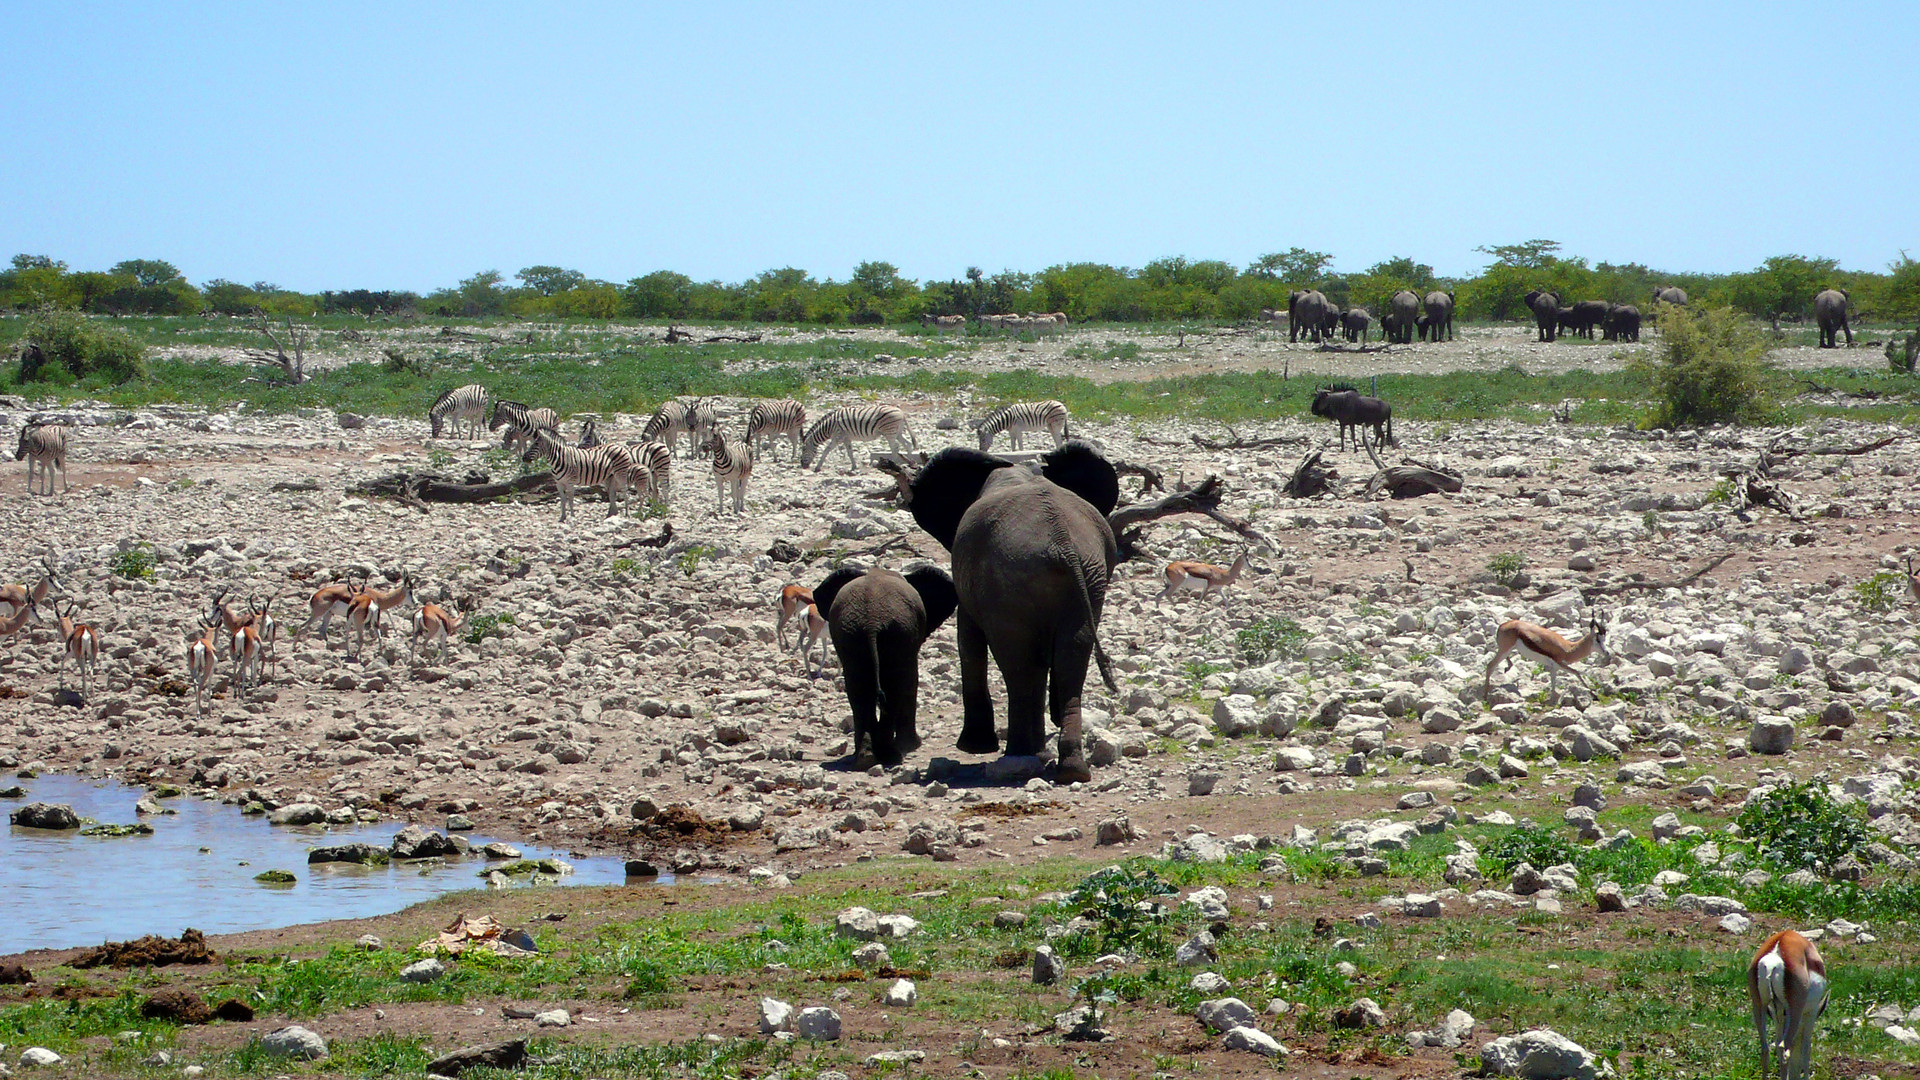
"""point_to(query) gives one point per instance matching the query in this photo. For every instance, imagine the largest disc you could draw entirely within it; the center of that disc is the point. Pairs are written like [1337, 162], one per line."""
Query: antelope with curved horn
[81, 644]
[328, 601]
[1787, 983]
[243, 645]
[16, 598]
[11, 625]
[1553, 651]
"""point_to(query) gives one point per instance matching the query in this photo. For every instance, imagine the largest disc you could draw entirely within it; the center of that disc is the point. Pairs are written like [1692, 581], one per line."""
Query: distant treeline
[1165, 290]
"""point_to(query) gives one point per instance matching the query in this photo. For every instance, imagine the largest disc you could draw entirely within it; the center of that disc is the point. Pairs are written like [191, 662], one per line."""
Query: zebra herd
[643, 469]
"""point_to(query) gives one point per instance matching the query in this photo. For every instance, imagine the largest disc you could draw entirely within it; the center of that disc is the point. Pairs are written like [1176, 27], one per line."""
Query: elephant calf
[878, 620]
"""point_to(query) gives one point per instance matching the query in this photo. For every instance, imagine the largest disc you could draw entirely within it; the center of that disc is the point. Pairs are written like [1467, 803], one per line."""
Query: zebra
[732, 465]
[842, 426]
[771, 418]
[464, 405]
[1017, 420]
[521, 422]
[589, 435]
[652, 469]
[677, 418]
[45, 446]
[593, 467]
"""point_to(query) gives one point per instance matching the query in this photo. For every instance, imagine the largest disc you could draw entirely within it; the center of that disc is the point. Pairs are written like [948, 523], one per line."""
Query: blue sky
[410, 145]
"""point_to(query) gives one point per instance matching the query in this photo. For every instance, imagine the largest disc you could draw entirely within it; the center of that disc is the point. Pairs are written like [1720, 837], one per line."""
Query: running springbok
[1787, 982]
[1553, 651]
[1202, 578]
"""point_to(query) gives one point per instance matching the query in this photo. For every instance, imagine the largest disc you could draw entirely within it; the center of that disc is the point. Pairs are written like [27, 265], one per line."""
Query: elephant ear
[1080, 469]
[949, 484]
[936, 594]
[824, 592]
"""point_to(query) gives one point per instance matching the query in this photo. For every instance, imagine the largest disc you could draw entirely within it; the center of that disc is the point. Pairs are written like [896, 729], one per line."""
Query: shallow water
[62, 889]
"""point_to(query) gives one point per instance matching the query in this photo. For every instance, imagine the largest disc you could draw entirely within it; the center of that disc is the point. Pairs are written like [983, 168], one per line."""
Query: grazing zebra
[463, 405]
[732, 465]
[652, 471]
[521, 422]
[596, 466]
[771, 418]
[845, 425]
[1017, 420]
[677, 418]
[45, 446]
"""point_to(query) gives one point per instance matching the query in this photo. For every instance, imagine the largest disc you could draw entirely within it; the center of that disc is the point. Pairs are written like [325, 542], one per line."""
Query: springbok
[367, 608]
[1553, 651]
[82, 645]
[1203, 578]
[1787, 982]
[202, 660]
[433, 624]
[327, 602]
[16, 598]
[793, 600]
[11, 625]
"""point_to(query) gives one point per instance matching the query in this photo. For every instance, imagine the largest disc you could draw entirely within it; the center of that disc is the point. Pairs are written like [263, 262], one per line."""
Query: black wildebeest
[1353, 409]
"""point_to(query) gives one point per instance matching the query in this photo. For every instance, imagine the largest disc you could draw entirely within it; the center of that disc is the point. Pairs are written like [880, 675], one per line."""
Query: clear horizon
[407, 148]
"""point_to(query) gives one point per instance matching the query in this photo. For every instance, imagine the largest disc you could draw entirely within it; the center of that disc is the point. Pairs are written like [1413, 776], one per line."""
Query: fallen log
[1783, 453]
[1237, 442]
[419, 489]
[1751, 488]
[1413, 481]
[1204, 499]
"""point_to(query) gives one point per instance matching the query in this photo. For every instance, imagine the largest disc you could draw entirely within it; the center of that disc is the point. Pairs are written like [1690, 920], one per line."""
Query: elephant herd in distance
[1310, 314]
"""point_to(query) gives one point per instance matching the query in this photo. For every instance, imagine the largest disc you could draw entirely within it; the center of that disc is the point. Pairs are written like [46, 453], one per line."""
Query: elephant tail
[879, 683]
[1093, 631]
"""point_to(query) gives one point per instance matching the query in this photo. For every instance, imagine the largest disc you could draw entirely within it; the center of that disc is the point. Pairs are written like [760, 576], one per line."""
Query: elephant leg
[1070, 658]
[976, 702]
[1026, 704]
[862, 682]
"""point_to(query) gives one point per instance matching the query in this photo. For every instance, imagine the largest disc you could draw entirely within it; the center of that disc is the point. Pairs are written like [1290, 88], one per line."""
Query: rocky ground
[632, 678]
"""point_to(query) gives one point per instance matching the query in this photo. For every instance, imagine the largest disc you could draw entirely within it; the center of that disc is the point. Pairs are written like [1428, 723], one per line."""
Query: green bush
[1273, 638]
[1801, 827]
[1507, 568]
[1711, 368]
[135, 563]
[481, 627]
[1881, 591]
[80, 347]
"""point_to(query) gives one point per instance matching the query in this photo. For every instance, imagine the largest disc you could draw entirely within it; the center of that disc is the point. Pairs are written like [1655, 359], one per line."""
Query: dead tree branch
[419, 489]
[1204, 499]
[1751, 488]
[1783, 453]
[293, 369]
[1591, 591]
[1311, 478]
[665, 537]
[1236, 442]
[1411, 479]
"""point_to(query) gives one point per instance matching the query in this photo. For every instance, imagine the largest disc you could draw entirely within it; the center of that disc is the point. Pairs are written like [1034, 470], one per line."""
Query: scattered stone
[896, 1057]
[1010, 920]
[1608, 897]
[1364, 1013]
[293, 1043]
[558, 1018]
[423, 971]
[505, 1055]
[39, 1057]
[1540, 1054]
[41, 815]
[1771, 736]
[818, 1023]
[1210, 982]
[775, 1016]
[302, 813]
[1225, 1014]
[1252, 1040]
[857, 923]
[902, 994]
[872, 956]
[414, 842]
[1735, 923]
[363, 854]
[1048, 967]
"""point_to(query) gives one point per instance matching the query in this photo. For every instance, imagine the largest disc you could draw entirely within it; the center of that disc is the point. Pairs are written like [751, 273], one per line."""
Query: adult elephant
[1440, 315]
[1405, 306]
[1623, 324]
[1546, 313]
[1307, 314]
[1670, 294]
[1830, 311]
[1032, 557]
[1356, 322]
[878, 619]
[1588, 314]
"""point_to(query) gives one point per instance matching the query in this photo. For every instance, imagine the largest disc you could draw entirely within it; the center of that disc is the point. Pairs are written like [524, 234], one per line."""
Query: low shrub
[1801, 827]
[1711, 368]
[76, 346]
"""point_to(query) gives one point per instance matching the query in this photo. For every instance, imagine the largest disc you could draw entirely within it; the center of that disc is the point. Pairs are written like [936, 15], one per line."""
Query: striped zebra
[677, 418]
[45, 446]
[732, 465]
[589, 435]
[596, 466]
[521, 422]
[652, 472]
[463, 405]
[845, 425]
[771, 418]
[1016, 420]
